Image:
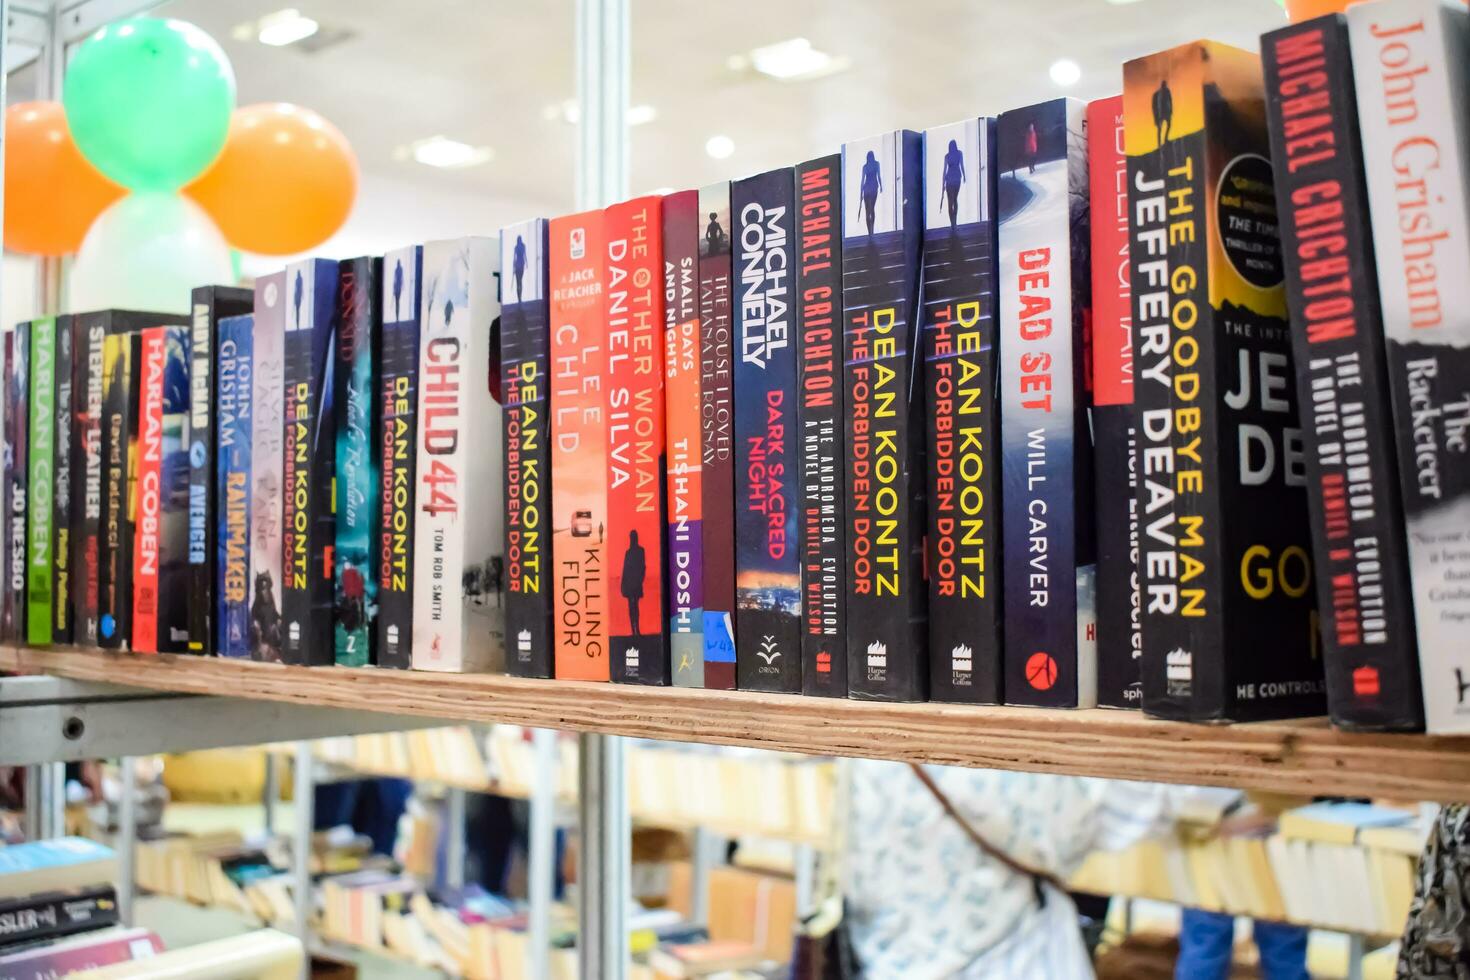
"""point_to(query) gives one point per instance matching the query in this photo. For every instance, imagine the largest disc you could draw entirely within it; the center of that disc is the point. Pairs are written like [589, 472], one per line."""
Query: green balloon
[148, 101]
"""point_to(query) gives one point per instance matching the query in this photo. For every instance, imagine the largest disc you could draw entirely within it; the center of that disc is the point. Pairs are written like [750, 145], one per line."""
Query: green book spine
[42, 479]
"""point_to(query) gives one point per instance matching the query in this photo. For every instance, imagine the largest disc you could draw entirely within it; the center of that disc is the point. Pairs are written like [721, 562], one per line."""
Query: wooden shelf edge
[1305, 757]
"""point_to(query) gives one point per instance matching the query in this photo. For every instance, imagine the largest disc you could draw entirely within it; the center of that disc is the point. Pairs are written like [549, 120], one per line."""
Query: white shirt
[924, 902]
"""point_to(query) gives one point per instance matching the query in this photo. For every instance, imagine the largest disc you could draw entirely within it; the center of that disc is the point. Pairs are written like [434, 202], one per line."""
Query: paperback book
[308, 463]
[267, 400]
[960, 350]
[50, 915]
[17, 428]
[577, 245]
[1048, 539]
[355, 580]
[234, 404]
[458, 618]
[1412, 77]
[636, 471]
[1119, 623]
[41, 483]
[208, 305]
[1229, 628]
[684, 432]
[524, 362]
[120, 359]
[820, 425]
[768, 554]
[1359, 545]
[882, 236]
[88, 338]
[717, 436]
[61, 494]
[398, 404]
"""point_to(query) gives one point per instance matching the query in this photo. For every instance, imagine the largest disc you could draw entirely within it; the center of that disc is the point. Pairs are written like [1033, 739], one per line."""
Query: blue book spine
[233, 401]
[357, 481]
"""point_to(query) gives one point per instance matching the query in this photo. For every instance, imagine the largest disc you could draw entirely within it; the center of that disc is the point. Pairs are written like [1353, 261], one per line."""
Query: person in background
[371, 807]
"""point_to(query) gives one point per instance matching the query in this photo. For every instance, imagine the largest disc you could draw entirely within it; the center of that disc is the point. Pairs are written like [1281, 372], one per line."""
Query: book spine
[1412, 76]
[959, 349]
[10, 596]
[61, 522]
[147, 539]
[887, 602]
[579, 446]
[267, 493]
[355, 580]
[458, 623]
[636, 470]
[119, 414]
[235, 388]
[199, 440]
[820, 423]
[684, 432]
[1119, 624]
[90, 337]
[36, 918]
[41, 464]
[173, 512]
[1359, 545]
[768, 558]
[18, 387]
[716, 418]
[398, 468]
[524, 351]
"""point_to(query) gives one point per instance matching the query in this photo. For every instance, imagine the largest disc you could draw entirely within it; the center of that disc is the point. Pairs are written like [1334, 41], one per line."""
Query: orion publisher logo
[1179, 672]
[579, 242]
[769, 650]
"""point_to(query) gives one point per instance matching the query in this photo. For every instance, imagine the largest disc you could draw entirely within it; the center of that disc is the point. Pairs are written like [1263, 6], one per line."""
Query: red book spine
[635, 431]
[149, 496]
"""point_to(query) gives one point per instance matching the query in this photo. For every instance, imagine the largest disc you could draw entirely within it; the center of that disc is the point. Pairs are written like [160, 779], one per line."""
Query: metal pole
[49, 74]
[1355, 957]
[604, 873]
[127, 838]
[34, 824]
[305, 794]
[541, 873]
[271, 792]
[454, 849]
[55, 800]
[704, 844]
[806, 878]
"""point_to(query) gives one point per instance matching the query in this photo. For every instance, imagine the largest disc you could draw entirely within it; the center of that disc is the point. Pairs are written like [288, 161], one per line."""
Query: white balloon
[146, 252]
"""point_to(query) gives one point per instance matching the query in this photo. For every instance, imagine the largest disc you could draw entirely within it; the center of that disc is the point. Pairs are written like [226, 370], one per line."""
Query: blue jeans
[1207, 938]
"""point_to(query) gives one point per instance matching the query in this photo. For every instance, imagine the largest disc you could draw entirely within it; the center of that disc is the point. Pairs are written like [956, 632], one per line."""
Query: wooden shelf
[1304, 757]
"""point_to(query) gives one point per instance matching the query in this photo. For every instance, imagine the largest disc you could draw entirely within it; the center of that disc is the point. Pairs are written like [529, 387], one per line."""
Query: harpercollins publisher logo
[579, 242]
[523, 644]
[630, 661]
[1179, 672]
[877, 655]
[962, 659]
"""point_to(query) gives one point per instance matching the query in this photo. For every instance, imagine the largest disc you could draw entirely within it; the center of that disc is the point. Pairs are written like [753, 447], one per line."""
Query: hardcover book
[1413, 73]
[208, 305]
[88, 338]
[636, 472]
[61, 519]
[233, 409]
[1358, 541]
[267, 494]
[882, 235]
[308, 463]
[1228, 620]
[684, 433]
[355, 580]
[717, 435]
[524, 357]
[820, 423]
[1048, 539]
[161, 539]
[1119, 625]
[458, 619]
[41, 483]
[959, 349]
[398, 405]
[119, 431]
[577, 246]
[768, 553]
[17, 401]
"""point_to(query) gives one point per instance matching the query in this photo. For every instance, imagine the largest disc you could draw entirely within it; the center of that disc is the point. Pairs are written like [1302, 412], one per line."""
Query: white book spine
[1410, 64]
[267, 496]
[458, 526]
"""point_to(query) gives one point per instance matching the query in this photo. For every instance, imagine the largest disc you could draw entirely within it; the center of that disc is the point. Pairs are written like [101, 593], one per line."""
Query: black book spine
[398, 432]
[17, 402]
[62, 577]
[119, 430]
[89, 333]
[820, 423]
[887, 602]
[959, 332]
[1359, 545]
[51, 915]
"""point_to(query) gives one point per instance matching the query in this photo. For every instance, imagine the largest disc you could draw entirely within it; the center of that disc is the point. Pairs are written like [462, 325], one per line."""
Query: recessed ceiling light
[568, 111]
[641, 113]
[1065, 72]
[791, 60]
[719, 147]
[284, 27]
[441, 151]
[1121, 3]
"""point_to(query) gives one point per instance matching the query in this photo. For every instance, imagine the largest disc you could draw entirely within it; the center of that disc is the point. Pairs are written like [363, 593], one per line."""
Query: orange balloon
[1300, 10]
[52, 194]
[284, 183]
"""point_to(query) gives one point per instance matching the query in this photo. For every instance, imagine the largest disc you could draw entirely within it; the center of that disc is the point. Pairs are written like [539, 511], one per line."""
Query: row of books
[1012, 410]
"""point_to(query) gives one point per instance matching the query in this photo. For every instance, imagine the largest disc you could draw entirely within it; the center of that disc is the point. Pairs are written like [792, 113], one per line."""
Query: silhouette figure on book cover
[296, 298]
[868, 188]
[266, 619]
[1163, 110]
[397, 288]
[518, 264]
[951, 179]
[714, 235]
[634, 571]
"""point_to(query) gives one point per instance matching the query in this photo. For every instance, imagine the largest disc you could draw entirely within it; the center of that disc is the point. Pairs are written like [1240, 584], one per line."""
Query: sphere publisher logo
[1041, 671]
